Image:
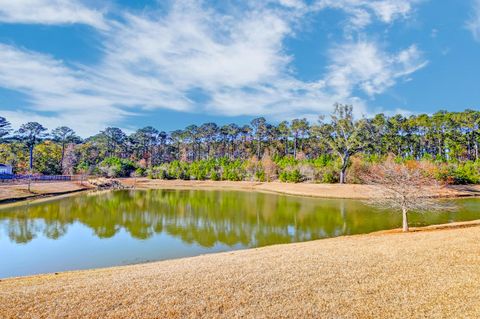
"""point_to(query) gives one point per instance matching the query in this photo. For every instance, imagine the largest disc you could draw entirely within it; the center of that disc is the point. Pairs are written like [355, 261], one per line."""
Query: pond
[100, 229]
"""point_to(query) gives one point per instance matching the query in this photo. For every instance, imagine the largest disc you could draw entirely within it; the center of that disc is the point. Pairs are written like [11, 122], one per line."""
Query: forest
[334, 149]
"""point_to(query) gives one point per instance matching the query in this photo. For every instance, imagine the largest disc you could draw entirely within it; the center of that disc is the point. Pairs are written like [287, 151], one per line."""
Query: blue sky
[91, 64]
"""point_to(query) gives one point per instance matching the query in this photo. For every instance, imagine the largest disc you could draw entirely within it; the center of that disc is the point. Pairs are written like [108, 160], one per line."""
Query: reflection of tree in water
[201, 217]
[21, 230]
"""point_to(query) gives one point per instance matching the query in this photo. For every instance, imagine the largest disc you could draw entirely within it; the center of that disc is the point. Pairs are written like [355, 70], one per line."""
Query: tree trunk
[233, 149]
[342, 176]
[295, 147]
[63, 156]
[405, 220]
[476, 150]
[258, 148]
[344, 169]
[149, 154]
[31, 158]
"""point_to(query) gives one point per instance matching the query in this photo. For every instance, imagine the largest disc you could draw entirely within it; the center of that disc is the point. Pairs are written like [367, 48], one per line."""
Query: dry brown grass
[303, 189]
[433, 274]
[20, 191]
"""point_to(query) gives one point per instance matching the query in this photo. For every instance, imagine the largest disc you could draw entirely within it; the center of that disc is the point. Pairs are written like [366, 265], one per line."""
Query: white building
[5, 169]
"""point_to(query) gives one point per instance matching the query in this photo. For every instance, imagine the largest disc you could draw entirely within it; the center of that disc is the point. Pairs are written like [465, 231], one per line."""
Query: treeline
[330, 150]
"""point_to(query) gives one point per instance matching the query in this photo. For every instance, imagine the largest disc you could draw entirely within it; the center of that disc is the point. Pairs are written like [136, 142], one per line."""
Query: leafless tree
[69, 160]
[403, 188]
[269, 167]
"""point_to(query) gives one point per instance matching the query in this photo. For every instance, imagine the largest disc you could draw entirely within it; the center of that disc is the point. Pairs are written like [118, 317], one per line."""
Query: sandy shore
[301, 189]
[433, 274]
[14, 192]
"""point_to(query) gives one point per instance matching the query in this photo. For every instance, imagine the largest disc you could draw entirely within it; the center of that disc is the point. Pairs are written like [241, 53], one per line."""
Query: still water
[101, 229]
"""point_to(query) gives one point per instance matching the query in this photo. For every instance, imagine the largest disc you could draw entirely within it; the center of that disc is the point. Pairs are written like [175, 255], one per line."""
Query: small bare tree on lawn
[403, 188]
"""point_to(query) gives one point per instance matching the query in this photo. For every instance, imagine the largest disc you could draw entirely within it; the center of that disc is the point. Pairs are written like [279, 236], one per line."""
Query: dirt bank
[391, 275]
[302, 189]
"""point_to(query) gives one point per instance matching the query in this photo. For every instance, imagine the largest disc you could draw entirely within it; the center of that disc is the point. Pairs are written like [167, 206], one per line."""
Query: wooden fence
[19, 179]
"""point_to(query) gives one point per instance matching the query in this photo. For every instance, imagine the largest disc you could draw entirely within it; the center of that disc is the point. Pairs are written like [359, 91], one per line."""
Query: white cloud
[51, 87]
[297, 4]
[390, 10]
[473, 24]
[235, 59]
[363, 65]
[50, 12]
[363, 12]
[44, 72]
[85, 123]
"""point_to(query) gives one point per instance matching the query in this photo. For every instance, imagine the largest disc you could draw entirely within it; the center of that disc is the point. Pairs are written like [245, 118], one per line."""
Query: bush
[177, 170]
[269, 168]
[467, 173]
[307, 171]
[140, 171]
[455, 173]
[293, 176]
[260, 175]
[214, 176]
[157, 172]
[329, 177]
[84, 168]
[198, 170]
[357, 169]
[116, 167]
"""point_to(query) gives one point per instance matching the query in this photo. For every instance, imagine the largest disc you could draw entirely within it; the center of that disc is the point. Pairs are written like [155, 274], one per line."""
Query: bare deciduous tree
[403, 188]
[70, 160]
[269, 167]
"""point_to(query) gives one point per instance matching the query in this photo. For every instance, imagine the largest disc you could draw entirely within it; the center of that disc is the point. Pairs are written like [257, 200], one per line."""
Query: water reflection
[208, 218]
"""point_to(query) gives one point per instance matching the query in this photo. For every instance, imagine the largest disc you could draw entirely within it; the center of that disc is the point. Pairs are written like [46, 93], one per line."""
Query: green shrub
[116, 167]
[260, 175]
[467, 173]
[140, 171]
[329, 177]
[293, 176]
[157, 172]
[458, 173]
[214, 176]
[177, 170]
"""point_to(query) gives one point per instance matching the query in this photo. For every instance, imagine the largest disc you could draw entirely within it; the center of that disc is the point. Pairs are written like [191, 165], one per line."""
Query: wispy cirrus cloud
[55, 92]
[51, 12]
[473, 24]
[235, 59]
[365, 66]
[363, 12]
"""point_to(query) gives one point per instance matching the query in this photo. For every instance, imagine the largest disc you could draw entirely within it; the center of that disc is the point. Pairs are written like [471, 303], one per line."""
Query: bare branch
[403, 188]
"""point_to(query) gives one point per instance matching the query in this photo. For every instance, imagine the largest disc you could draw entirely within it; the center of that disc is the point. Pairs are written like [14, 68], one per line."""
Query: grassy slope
[388, 275]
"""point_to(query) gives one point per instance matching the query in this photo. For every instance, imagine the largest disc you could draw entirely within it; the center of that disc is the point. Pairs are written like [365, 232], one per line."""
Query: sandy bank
[394, 275]
[301, 189]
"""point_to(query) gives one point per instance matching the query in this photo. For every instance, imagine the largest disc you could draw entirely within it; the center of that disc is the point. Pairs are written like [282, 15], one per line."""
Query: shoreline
[38, 197]
[339, 191]
[14, 193]
[303, 279]
[17, 192]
